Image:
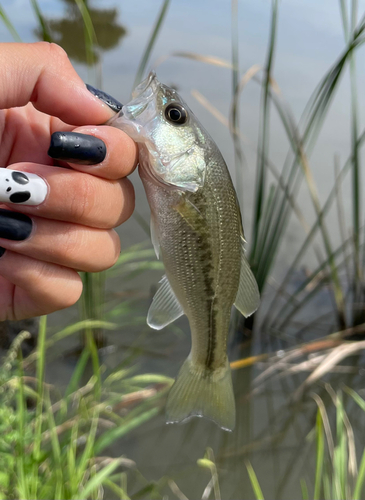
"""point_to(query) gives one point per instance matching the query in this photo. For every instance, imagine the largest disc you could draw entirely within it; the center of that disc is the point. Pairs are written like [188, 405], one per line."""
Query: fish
[196, 229]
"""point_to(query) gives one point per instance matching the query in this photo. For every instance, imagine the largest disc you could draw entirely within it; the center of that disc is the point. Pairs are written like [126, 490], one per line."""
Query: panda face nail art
[21, 188]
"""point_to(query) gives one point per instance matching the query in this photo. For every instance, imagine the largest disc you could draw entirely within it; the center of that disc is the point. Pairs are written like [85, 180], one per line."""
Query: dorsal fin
[248, 295]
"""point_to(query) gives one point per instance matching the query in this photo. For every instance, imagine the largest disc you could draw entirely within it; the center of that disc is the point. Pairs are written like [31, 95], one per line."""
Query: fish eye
[176, 114]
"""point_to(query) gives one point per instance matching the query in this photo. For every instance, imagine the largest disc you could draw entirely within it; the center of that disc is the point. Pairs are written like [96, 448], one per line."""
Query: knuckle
[52, 51]
[62, 286]
[82, 201]
[129, 200]
[116, 248]
[57, 52]
[74, 291]
[111, 252]
[70, 246]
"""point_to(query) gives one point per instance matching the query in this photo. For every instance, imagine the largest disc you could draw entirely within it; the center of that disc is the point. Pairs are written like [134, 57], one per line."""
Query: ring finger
[59, 242]
[64, 194]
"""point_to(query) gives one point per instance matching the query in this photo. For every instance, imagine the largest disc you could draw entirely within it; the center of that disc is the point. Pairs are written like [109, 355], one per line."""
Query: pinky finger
[29, 287]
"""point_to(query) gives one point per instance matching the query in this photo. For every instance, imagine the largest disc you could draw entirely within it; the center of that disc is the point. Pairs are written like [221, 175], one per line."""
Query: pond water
[272, 432]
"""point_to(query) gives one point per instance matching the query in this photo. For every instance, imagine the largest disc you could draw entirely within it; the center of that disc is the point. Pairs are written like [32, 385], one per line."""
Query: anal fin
[165, 307]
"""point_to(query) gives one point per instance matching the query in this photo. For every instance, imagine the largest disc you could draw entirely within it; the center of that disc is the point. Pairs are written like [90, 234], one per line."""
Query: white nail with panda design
[21, 188]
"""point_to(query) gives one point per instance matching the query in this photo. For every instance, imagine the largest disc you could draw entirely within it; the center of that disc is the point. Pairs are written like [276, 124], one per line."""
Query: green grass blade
[22, 484]
[56, 451]
[301, 159]
[111, 436]
[344, 17]
[254, 481]
[94, 355]
[88, 452]
[97, 480]
[313, 119]
[121, 492]
[356, 397]
[356, 167]
[360, 479]
[89, 31]
[71, 460]
[341, 456]
[46, 35]
[79, 326]
[260, 187]
[304, 488]
[308, 240]
[356, 185]
[327, 491]
[41, 362]
[77, 373]
[297, 305]
[234, 115]
[92, 305]
[71, 330]
[320, 456]
[9, 25]
[151, 43]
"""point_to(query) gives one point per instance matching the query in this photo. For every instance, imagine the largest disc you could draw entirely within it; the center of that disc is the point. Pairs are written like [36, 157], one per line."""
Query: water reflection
[69, 31]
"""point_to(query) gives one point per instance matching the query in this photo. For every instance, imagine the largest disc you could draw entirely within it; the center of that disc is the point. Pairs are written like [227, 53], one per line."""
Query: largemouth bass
[196, 229]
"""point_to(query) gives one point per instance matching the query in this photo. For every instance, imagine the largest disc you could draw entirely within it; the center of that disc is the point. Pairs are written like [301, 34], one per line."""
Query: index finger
[41, 73]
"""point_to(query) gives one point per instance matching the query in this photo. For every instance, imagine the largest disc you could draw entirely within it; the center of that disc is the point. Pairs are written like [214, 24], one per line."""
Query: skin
[73, 229]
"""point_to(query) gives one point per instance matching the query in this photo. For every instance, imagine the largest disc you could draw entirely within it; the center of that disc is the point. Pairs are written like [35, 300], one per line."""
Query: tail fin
[197, 392]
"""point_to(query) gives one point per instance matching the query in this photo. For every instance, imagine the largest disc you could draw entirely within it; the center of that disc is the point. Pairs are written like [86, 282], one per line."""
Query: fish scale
[196, 229]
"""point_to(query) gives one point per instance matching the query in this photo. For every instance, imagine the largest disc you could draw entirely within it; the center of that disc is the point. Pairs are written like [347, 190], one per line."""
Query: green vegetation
[52, 443]
[338, 476]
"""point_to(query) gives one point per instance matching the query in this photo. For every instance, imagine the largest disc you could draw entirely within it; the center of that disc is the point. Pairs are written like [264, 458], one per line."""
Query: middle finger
[98, 150]
[72, 196]
[59, 242]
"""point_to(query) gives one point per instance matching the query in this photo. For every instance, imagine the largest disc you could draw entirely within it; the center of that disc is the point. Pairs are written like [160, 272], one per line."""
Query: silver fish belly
[196, 228]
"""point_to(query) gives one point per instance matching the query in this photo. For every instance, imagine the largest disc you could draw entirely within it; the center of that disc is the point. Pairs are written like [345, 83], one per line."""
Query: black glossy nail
[2, 251]
[77, 148]
[107, 98]
[14, 225]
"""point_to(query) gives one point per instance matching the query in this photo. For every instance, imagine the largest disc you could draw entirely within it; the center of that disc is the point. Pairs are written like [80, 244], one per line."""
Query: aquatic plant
[338, 474]
[51, 445]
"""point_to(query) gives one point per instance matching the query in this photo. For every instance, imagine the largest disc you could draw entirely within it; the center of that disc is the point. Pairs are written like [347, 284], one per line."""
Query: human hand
[66, 223]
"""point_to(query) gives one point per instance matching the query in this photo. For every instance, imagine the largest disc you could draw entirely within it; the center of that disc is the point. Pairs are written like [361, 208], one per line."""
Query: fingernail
[22, 188]
[108, 99]
[77, 148]
[14, 225]
[2, 251]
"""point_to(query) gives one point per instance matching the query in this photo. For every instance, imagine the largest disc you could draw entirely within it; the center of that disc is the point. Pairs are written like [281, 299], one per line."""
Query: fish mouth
[143, 102]
[142, 97]
[144, 85]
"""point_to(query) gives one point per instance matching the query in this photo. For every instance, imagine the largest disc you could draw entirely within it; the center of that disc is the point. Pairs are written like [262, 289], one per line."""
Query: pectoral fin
[248, 295]
[190, 214]
[165, 307]
[187, 179]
